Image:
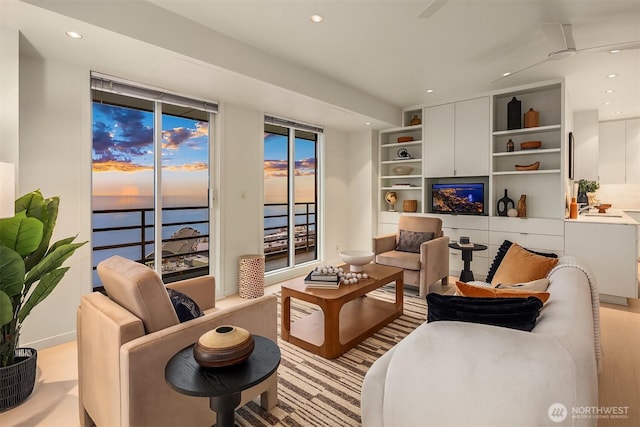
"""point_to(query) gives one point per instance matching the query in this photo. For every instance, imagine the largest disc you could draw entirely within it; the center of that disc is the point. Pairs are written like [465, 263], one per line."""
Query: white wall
[362, 186]
[55, 148]
[55, 153]
[9, 48]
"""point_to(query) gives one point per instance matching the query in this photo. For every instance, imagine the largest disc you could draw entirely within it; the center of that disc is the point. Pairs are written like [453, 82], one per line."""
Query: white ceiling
[366, 59]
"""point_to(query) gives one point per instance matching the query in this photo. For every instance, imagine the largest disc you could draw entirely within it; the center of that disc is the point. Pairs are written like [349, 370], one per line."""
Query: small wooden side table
[223, 386]
[466, 275]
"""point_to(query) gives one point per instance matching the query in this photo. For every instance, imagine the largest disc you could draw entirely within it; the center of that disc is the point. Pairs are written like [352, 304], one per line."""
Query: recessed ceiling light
[606, 103]
[74, 35]
[609, 91]
[367, 123]
[617, 112]
[615, 51]
[610, 76]
[430, 91]
[316, 18]
[506, 74]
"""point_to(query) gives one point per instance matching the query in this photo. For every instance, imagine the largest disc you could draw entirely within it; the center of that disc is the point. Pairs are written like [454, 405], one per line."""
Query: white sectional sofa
[466, 374]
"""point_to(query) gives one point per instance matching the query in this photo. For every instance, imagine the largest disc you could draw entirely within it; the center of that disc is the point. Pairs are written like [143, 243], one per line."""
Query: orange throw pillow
[466, 290]
[520, 265]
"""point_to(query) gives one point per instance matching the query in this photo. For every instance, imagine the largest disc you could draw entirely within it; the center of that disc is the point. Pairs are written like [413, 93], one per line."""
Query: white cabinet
[611, 152]
[632, 128]
[610, 250]
[472, 137]
[543, 235]
[544, 186]
[457, 139]
[439, 136]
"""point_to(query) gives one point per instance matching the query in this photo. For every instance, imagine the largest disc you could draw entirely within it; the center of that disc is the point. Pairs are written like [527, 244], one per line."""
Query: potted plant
[29, 270]
[587, 191]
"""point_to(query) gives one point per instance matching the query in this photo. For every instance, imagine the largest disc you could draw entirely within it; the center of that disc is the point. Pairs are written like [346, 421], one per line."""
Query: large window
[150, 166]
[290, 194]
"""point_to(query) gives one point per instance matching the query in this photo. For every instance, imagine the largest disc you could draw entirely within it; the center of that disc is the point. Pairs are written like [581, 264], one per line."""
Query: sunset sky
[123, 158]
[276, 164]
[123, 153]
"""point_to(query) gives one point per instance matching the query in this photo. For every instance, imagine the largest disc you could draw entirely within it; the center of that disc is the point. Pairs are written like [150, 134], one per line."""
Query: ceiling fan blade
[432, 8]
[522, 69]
[615, 46]
[560, 36]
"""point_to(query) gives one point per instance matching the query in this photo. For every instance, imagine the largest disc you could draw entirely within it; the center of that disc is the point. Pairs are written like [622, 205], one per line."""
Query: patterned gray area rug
[314, 391]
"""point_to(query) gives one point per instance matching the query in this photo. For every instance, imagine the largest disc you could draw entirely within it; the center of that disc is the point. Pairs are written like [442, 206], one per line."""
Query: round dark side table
[223, 386]
[466, 275]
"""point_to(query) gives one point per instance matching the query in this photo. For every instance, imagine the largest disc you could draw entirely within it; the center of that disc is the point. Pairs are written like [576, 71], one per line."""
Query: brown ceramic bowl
[530, 145]
[405, 138]
[223, 346]
[531, 167]
[602, 208]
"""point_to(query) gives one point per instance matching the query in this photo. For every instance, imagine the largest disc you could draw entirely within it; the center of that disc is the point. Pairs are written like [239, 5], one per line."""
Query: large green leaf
[6, 309]
[20, 233]
[51, 262]
[32, 203]
[48, 216]
[11, 271]
[47, 284]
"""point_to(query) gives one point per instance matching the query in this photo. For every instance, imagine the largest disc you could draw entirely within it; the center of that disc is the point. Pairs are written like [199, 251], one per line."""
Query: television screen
[458, 198]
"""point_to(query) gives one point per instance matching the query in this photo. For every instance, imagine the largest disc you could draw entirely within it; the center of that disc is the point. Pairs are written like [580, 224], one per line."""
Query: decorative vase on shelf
[510, 146]
[505, 204]
[514, 113]
[522, 206]
[410, 205]
[531, 118]
[415, 120]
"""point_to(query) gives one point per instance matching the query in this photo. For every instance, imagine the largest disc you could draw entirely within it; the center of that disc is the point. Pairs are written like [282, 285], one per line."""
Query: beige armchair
[421, 269]
[125, 341]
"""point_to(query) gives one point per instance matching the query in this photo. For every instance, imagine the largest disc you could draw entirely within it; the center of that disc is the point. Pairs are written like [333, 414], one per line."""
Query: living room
[46, 127]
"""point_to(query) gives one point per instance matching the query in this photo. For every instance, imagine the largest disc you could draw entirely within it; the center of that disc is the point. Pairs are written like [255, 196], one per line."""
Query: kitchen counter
[609, 245]
[613, 216]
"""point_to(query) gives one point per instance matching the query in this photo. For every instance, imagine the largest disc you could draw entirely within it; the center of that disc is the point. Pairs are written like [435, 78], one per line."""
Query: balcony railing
[130, 233]
[276, 234]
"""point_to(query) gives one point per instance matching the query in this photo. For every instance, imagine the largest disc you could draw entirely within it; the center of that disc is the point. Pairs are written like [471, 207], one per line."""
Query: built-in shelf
[401, 144]
[528, 152]
[391, 162]
[400, 176]
[400, 188]
[538, 172]
[523, 131]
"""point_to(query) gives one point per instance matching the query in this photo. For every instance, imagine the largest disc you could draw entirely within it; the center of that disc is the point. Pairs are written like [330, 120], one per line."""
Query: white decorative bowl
[356, 259]
[402, 170]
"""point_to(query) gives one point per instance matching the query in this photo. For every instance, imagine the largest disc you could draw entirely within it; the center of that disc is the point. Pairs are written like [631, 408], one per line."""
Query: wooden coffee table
[346, 317]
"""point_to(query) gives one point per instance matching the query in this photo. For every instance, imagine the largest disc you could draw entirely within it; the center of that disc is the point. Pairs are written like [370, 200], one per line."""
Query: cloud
[279, 168]
[118, 166]
[188, 167]
[175, 137]
[122, 135]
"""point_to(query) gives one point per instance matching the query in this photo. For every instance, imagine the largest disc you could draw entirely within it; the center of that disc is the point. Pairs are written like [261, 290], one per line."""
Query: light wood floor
[54, 402]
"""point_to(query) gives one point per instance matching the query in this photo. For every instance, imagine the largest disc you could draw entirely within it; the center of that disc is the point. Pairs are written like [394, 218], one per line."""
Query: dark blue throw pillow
[185, 307]
[514, 313]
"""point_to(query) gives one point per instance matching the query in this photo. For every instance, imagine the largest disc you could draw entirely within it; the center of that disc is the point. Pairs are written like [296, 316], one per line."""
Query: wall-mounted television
[458, 198]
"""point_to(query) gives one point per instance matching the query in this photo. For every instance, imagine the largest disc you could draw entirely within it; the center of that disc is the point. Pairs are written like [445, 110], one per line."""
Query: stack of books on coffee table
[320, 280]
